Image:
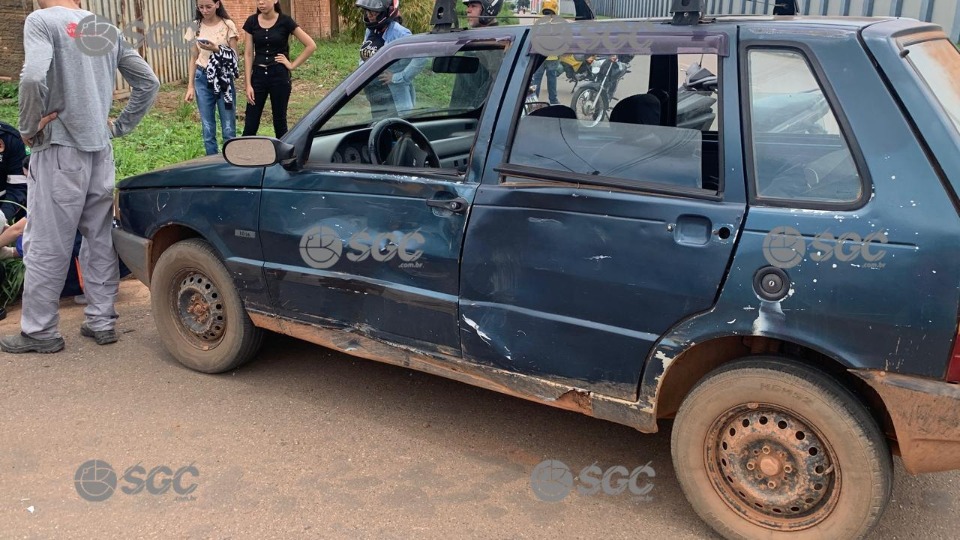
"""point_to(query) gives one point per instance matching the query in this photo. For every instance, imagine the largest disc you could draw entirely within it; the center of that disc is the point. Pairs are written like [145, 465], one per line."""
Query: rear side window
[938, 63]
[798, 147]
[637, 121]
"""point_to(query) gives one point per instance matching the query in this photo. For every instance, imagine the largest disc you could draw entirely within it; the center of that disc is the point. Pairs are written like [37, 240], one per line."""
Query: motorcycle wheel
[590, 105]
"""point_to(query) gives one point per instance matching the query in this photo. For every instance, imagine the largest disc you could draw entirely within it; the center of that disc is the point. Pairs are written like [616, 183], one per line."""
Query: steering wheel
[394, 141]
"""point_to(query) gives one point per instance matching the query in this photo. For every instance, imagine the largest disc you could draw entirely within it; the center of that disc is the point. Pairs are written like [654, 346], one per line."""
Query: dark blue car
[755, 236]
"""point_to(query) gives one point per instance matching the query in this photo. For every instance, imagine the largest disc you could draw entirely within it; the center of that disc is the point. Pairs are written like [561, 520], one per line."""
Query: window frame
[846, 129]
[353, 85]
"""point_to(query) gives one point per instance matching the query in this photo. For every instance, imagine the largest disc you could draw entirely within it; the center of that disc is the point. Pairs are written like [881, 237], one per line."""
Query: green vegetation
[416, 16]
[8, 90]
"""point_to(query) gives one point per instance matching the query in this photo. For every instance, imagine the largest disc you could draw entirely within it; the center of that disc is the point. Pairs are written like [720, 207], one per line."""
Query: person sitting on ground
[13, 184]
[73, 286]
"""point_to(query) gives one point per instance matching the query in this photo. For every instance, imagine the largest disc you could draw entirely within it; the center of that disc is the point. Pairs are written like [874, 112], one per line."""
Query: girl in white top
[213, 29]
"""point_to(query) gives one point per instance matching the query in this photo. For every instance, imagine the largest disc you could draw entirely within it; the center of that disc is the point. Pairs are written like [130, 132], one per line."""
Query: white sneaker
[80, 299]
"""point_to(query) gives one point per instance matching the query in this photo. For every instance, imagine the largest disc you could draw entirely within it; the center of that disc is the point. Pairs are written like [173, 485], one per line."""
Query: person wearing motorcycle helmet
[391, 93]
[379, 16]
[482, 13]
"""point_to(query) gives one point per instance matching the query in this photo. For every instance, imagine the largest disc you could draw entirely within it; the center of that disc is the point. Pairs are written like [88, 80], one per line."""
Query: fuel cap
[771, 283]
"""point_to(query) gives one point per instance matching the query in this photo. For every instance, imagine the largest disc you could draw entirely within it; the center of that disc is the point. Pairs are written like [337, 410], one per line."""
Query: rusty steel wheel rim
[772, 467]
[198, 305]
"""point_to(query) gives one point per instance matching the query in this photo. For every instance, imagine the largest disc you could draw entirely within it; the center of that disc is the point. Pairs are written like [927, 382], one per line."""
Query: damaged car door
[367, 234]
[590, 240]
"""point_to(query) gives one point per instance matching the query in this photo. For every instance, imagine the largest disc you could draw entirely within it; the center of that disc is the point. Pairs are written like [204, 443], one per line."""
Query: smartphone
[204, 41]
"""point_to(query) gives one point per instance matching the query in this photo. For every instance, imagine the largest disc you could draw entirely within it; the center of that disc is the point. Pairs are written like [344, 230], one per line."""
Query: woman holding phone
[267, 65]
[213, 30]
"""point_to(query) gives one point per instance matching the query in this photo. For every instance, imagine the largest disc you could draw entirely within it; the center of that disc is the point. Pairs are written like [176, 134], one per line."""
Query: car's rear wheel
[769, 448]
[198, 312]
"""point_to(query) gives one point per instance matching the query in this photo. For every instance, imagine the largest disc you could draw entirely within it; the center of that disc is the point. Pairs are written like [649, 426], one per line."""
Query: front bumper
[135, 253]
[926, 418]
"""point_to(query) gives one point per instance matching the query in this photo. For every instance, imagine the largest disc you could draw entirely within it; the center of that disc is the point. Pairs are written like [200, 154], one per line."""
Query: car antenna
[686, 12]
[444, 17]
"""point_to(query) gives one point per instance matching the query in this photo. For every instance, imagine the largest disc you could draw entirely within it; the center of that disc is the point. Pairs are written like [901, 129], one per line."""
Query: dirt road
[307, 442]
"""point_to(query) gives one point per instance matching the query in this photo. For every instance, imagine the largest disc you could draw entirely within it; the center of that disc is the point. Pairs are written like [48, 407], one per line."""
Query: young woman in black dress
[267, 65]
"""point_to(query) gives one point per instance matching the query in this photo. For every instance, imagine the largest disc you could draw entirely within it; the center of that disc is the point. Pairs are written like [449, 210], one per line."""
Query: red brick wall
[312, 15]
[12, 15]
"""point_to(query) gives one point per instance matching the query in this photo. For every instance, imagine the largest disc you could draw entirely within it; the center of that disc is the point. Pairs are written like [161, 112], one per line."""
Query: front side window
[416, 113]
[799, 150]
[938, 64]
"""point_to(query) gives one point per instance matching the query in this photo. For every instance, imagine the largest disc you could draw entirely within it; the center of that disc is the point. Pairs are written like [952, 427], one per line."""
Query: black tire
[768, 448]
[198, 312]
[594, 114]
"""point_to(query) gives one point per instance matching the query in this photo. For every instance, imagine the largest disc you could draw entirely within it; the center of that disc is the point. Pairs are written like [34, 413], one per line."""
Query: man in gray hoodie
[66, 90]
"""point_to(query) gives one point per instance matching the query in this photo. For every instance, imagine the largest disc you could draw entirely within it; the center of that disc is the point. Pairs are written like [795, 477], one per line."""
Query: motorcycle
[695, 99]
[591, 99]
[793, 113]
[576, 67]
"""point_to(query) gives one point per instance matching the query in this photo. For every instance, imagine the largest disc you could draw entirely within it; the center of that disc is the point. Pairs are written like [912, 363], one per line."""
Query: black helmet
[488, 11]
[387, 10]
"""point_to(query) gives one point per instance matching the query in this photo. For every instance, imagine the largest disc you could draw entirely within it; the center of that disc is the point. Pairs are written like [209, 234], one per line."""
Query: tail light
[953, 369]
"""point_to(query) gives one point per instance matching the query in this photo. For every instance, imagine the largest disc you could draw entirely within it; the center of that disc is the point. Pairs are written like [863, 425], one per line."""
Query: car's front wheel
[768, 448]
[198, 312]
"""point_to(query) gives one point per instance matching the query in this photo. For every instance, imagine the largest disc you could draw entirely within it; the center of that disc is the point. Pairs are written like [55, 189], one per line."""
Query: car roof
[719, 23]
[766, 20]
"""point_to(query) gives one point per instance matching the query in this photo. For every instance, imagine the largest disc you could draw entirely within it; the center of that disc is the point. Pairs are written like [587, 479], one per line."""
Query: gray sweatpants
[69, 189]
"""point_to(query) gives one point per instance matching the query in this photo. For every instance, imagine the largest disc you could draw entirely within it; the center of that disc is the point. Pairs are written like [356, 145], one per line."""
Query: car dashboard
[451, 138]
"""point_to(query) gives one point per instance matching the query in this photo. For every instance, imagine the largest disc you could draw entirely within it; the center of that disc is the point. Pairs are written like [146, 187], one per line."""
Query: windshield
[422, 87]
[938, 64]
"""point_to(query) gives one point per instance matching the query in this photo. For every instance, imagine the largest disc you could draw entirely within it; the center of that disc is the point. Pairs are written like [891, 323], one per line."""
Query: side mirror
[456, 64]
[257, 152]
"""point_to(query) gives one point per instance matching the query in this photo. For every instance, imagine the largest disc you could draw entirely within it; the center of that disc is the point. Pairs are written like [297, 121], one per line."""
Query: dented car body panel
[611, 300]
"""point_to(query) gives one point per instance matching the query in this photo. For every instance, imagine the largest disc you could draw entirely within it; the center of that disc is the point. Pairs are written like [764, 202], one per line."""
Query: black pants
[273, 80]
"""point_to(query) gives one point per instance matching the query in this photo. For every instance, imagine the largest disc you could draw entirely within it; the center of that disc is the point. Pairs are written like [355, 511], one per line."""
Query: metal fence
[152, 25]
[946, 13]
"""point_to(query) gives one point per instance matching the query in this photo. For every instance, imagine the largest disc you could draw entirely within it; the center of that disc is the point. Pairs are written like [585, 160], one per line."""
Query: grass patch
[8, 90]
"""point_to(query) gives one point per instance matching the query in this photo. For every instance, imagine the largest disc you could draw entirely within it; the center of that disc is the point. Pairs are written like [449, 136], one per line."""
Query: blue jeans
[550, 67]
[208, 104]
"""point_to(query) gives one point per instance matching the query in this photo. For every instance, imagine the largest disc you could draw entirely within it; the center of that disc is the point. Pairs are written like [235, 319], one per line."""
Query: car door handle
[454, 205]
